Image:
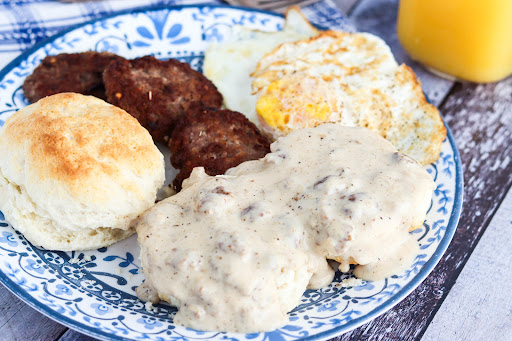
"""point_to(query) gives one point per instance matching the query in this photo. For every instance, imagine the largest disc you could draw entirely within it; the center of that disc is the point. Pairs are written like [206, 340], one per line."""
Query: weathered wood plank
[71, 335]
[18, 321]
[479, 306]
[480, 117]
[379, 17]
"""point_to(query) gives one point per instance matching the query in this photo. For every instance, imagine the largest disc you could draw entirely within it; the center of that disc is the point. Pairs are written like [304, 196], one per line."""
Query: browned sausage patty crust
[69, 72]
[157, 93]
[216, 140]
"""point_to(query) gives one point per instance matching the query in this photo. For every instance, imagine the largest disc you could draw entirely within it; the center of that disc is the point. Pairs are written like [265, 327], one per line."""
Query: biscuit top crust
[81, 142]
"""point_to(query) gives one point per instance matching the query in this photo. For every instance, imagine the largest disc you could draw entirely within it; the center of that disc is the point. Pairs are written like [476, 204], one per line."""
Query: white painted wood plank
[479, 306]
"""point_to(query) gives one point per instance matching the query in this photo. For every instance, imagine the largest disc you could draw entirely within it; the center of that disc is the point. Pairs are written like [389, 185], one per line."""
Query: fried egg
[348, 78]
[229, 64]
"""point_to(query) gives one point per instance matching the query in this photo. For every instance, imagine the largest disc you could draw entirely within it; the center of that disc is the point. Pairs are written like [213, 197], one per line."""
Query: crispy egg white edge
[229, 64]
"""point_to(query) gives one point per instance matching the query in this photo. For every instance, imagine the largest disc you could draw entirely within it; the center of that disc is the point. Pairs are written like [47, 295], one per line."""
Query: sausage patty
[157, 93]
[69, 72]
[216, 140]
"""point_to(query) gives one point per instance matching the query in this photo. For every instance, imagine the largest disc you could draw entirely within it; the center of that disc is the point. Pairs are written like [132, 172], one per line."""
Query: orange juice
[468, 39]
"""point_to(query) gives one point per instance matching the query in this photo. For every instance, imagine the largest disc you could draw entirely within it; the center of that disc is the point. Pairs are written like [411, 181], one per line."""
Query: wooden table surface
[449, 305]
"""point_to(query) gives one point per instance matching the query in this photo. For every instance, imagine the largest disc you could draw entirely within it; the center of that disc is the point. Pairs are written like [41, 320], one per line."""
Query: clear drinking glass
[464, 39]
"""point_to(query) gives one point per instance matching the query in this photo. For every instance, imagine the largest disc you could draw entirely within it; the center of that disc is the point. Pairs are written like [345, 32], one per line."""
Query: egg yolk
[286, 104]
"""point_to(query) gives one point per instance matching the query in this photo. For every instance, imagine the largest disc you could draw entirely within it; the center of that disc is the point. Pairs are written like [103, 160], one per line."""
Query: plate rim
[429, 266]
[12, 64]
[389, 304]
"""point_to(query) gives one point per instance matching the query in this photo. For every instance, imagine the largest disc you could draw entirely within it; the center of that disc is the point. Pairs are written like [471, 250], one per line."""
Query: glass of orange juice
[465, 39]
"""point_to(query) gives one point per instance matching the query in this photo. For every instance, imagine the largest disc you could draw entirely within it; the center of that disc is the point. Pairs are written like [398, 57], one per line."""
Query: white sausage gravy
[236, 252]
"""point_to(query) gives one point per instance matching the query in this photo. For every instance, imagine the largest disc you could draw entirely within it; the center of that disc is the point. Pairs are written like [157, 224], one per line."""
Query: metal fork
[277, 5]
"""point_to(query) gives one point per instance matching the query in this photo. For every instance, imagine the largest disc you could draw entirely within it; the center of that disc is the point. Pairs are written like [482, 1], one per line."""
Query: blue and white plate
[93, 291]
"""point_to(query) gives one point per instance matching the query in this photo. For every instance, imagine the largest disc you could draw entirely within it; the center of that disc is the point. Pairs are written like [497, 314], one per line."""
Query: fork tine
[284, 4]
[277, 5]
[270, 2]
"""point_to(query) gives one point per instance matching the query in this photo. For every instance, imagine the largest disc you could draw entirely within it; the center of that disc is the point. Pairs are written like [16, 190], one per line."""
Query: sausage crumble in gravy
[235, 252]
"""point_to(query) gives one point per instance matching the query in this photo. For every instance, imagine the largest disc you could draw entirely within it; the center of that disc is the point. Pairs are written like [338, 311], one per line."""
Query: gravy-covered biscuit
[75, 171]
[236, 252]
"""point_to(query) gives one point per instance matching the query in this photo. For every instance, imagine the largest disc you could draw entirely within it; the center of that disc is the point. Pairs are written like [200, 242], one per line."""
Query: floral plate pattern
[93, 291]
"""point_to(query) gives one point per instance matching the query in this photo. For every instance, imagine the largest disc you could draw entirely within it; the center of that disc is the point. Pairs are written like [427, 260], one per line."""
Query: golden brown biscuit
[75, 171]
